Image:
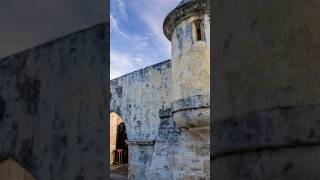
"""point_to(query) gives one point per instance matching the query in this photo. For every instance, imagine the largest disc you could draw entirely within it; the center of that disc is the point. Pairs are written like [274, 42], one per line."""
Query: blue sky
[136, 34]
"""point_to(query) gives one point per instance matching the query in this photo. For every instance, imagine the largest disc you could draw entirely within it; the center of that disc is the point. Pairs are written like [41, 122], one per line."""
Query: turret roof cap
[184, 10]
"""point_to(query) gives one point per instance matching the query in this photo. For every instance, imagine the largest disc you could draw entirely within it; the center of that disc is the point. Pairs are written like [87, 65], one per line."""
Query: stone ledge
[285, 164]
[277, 127]
[140, 142]
[193, 111]
[191, 102]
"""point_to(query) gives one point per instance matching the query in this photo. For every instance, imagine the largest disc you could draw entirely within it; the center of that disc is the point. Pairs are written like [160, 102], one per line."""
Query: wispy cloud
[124, 63]
[139, 40]
[153, 15]
[120, 62]
[115, 27]
[121, 7]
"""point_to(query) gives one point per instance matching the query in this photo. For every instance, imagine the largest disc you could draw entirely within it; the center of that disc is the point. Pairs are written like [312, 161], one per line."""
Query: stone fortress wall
[137, 98]
[143, 100]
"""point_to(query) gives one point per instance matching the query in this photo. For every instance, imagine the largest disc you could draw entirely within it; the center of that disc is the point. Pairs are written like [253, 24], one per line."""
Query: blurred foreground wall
[53, 118]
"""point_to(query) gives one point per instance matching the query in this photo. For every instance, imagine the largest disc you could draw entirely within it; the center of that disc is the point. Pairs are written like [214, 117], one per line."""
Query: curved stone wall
[266, 91]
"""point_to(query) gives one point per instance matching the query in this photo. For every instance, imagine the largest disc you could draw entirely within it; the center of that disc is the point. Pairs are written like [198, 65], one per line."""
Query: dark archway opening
[121, 145]
[118, 148]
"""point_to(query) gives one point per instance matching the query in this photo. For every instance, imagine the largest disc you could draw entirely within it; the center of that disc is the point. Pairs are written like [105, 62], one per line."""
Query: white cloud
[153, 13]
[121, 7]
[121, 64]
[138, 59]
[113, 23]
[125, 62]
[114, 26]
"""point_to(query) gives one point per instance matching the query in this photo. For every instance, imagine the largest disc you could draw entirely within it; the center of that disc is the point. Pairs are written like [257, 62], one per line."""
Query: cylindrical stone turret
[266, 90]
[188, 28]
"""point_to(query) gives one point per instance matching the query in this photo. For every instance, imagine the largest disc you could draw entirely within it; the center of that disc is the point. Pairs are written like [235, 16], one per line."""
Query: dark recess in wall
[2, 108]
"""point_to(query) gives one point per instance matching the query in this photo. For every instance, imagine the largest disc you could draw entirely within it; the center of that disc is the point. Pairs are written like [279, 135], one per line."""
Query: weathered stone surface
[137, 97]
[53, 109]
[266, 56]
[180, 154]
[192, 111]
[186, 153]
[267, 129]
[191, 102]
[190, 60]
[301, 162]
[266, 91]
[161, 165]
[182, 144]
[190, 41]
[139, 160]
[163, 113]
[192, 118]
